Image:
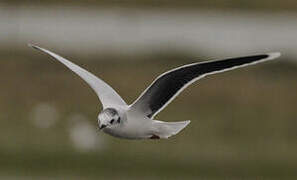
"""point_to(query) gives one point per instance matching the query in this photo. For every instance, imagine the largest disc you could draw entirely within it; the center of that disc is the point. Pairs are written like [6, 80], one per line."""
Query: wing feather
[168, 85]
[107, 95]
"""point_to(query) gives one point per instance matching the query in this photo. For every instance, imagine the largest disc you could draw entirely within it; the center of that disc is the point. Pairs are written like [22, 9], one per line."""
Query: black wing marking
[168, 85]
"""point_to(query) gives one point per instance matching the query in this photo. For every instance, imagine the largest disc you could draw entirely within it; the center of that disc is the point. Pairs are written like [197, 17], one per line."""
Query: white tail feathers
[167, 129]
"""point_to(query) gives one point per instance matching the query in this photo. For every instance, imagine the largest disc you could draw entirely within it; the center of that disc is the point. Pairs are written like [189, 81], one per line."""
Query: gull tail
[163, 129]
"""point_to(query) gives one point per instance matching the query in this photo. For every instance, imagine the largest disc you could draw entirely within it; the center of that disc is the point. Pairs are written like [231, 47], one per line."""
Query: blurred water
[132, 31]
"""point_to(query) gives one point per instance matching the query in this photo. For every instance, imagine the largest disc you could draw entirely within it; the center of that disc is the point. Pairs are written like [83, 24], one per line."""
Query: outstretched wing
[168, 85]
[107, 96]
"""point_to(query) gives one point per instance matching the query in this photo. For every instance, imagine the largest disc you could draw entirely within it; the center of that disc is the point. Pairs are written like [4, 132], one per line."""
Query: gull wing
[168, 85]
[107, 95]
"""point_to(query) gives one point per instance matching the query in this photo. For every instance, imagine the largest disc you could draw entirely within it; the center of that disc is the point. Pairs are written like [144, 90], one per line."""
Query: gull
[136, 121]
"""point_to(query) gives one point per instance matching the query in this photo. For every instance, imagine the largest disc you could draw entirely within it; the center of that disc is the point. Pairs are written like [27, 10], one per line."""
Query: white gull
[136, 121]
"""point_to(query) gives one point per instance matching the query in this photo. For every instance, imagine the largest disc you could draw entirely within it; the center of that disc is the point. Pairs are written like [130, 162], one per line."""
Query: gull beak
[102, 126]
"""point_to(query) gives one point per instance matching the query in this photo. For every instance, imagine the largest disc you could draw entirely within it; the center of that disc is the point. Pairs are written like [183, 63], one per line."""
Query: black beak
[102, 126]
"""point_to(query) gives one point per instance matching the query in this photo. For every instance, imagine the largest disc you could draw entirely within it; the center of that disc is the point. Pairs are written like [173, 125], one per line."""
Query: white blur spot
[44, 115]
[83, 134]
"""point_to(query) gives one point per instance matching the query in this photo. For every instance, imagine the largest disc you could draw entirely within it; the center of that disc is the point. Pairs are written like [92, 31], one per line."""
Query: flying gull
[136, 121]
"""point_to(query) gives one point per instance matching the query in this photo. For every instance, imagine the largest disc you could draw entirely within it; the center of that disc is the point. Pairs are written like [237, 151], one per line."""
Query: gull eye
[111, 121]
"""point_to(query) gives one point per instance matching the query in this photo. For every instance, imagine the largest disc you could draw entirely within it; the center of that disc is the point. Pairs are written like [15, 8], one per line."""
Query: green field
[243, 122]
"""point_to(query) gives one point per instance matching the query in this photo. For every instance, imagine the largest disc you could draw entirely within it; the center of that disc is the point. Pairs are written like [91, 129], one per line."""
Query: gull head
[107, 118]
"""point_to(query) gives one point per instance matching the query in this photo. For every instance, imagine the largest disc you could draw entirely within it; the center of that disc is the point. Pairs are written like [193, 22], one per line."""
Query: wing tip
[187, 122]
[273, 55]
[33, 46]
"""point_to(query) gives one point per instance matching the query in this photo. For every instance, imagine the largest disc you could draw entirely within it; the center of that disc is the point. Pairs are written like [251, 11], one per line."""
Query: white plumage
[136, 121]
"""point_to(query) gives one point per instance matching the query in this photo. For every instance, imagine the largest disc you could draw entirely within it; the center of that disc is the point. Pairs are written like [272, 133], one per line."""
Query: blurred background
[243, 122]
